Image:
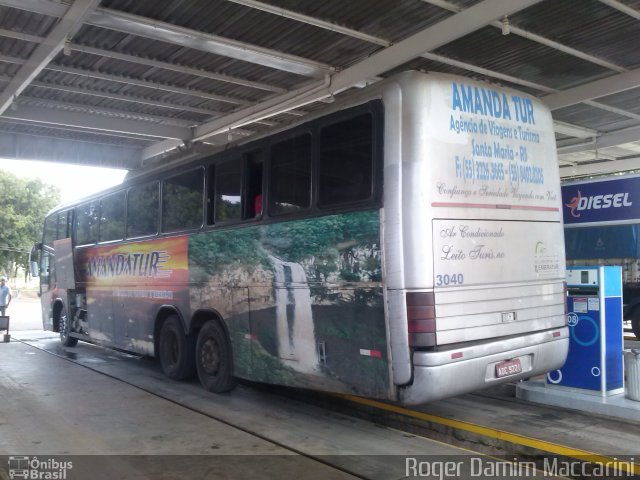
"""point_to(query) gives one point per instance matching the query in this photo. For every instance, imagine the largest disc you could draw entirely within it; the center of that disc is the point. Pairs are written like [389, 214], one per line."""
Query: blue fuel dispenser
[595, 361]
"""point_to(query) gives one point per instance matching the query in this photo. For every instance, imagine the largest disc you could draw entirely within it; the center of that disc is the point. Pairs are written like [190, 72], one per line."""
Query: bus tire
[65, 338]
[176, 350]
[214, 359]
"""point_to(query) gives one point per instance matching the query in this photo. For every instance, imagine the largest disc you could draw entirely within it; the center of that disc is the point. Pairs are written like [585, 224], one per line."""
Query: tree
[23, 205]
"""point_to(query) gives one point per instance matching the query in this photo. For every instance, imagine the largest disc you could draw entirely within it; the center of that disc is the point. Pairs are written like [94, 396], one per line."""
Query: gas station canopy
[132, 83]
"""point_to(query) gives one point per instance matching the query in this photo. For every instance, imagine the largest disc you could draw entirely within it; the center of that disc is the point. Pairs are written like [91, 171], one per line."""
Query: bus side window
[346, 161]
[62, 225]
[290, 175]
[253, 185]
[210, 189]
[228, 188]
[182, 197]
[143, 202]
[112, 217]
[87, 223]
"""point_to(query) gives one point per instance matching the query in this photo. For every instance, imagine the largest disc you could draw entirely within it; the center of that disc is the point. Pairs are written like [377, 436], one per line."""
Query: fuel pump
[595, 361]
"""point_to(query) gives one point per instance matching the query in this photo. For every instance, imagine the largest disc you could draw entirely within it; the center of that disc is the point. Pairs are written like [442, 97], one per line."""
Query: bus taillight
[421, 319]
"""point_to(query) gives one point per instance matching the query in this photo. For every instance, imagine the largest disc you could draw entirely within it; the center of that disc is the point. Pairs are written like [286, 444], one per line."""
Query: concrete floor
[117, 416]
[50, 407]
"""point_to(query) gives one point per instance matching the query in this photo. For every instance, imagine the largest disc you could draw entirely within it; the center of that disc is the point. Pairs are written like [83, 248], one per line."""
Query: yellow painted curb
[541, 445]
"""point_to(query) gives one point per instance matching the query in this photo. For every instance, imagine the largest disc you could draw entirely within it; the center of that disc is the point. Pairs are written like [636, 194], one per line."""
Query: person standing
[5, 295]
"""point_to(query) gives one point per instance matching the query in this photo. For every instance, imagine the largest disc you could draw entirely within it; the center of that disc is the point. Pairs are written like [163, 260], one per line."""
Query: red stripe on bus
[484, 205]
[371, 353]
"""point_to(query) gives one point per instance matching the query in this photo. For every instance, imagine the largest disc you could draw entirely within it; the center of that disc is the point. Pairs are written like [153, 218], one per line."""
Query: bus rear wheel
[65, 329]
[214, 361]
[176, 350]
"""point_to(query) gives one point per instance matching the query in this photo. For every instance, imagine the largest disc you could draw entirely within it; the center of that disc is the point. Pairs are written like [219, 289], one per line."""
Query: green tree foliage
[23, 205]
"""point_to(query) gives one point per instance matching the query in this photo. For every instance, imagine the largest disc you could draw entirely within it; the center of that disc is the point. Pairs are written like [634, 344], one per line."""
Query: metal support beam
[115, 96]
[573, 130]
[282, 12]
[610, 139]
[110, 112]
[621, 7]
[28, 147]
[94, 122]
[600, 168]
[43, 7]
[68, 25]
[608, 108]
[599, 88]
[176, 68]
[166, 32]
[147, 84]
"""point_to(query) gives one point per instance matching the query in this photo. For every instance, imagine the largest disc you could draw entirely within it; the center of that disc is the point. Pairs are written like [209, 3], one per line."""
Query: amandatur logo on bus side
[130, 264]
[597, 202]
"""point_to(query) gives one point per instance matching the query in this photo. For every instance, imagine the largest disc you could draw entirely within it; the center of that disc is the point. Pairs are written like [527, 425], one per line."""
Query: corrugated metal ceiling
[137, 78]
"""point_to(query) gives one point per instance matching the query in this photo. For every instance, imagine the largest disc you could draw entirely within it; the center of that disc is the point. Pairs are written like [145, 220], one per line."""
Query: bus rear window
[346, 161]
[291, 175]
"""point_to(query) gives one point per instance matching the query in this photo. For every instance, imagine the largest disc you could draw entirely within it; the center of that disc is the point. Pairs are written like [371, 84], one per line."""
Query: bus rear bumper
[436, 375]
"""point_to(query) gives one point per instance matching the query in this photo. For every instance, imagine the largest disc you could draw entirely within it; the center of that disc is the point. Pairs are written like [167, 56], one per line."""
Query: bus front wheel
[65, 328]
[214, 360]
[176, 350]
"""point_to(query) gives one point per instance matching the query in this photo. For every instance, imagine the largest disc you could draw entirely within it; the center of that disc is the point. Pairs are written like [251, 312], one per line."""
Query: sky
[74, 181]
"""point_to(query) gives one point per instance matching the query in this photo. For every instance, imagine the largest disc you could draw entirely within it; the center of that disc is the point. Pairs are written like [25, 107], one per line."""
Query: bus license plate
[509, 367]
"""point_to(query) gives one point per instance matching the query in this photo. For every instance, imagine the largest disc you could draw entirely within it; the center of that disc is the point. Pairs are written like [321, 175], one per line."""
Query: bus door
[46, 272]
[55, 227]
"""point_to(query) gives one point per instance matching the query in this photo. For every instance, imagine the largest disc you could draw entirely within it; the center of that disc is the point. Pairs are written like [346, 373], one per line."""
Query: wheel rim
[64, 327]
[210, 357]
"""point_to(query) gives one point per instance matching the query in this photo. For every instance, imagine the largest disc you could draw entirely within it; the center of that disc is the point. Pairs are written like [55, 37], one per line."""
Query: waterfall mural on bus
[302, 299]
[294, 317]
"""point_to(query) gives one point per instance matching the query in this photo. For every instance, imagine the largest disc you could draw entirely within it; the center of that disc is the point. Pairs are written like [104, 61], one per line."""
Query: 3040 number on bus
[446, 279]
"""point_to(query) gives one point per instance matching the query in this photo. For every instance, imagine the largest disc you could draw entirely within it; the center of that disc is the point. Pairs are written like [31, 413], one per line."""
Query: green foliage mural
[302, 300]
[336, 245]
[210, 254]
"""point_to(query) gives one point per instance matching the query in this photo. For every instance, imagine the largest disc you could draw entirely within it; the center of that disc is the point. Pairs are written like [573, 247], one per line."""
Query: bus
[405, 243]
